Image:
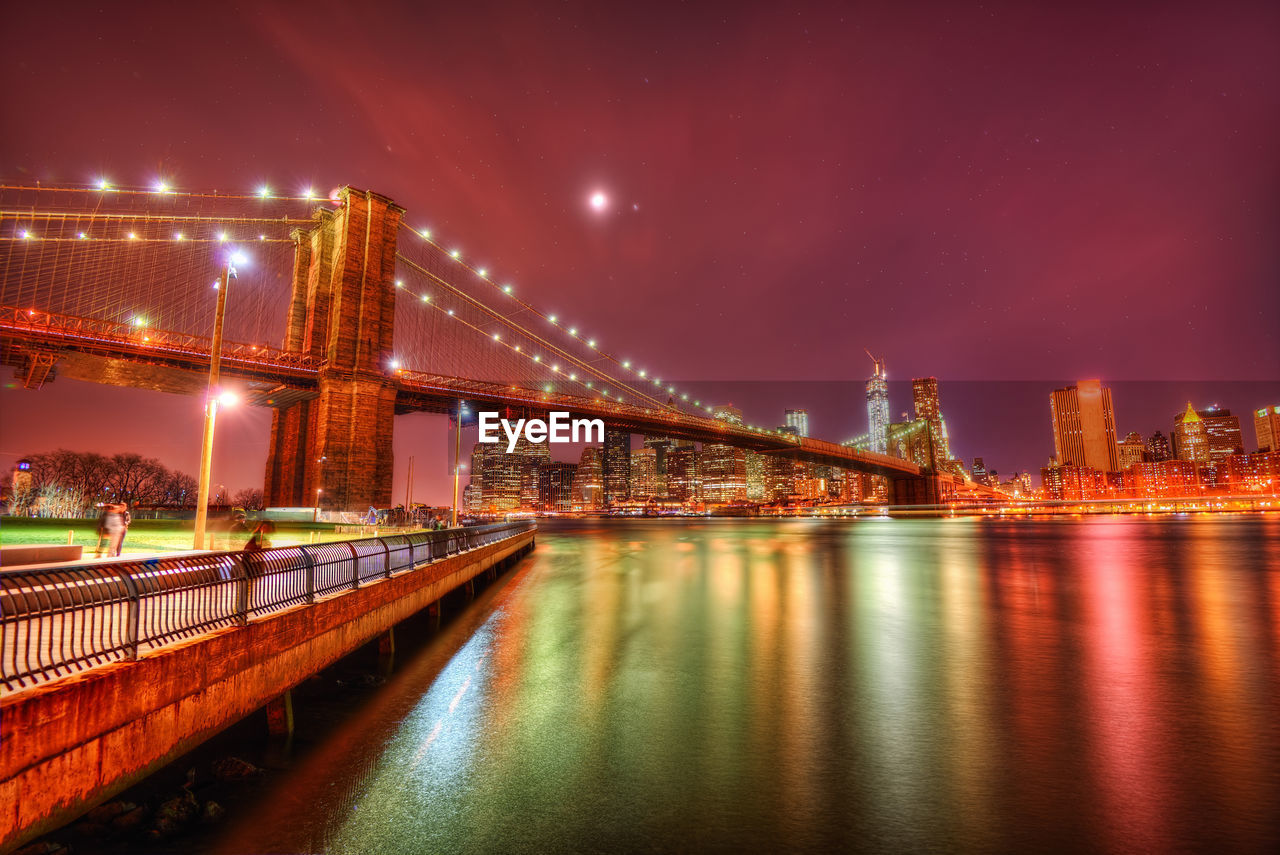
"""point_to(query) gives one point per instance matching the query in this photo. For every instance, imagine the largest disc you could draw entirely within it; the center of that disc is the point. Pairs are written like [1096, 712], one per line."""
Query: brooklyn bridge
[342, 313]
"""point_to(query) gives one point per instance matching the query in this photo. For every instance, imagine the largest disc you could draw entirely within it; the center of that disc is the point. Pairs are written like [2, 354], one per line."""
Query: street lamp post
[212, 396]
[316, 516]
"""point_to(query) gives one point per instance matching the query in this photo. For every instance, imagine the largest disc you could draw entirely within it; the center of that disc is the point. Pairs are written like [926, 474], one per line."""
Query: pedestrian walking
[116, 523]
[258, 541]
[102, 529]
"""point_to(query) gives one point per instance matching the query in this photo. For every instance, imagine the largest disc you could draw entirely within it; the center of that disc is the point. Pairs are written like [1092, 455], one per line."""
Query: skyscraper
[878, 407]
[682, 474]
[1158, 447]
[723, 468]
[1223, 432]
[798, 419]
[555, 486]
[588, 487]
[1131, 450]
[617, 466]
[1084, 426]
[1190, 438]
[644, 474]
[924, 395]
[1266, 425]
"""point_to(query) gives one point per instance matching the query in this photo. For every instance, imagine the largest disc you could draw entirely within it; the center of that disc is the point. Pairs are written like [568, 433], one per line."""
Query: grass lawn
[147, 537]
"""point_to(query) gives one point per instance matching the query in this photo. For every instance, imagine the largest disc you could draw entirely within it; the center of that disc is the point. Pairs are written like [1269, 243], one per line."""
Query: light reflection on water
[1105, 684]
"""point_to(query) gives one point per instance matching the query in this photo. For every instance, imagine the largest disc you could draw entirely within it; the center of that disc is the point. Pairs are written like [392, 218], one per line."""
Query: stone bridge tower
[337, 445]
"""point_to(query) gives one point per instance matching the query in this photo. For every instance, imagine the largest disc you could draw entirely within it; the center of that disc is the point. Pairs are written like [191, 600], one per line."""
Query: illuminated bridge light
[399, 283]
[481, 271]
[573, 376]
[552, 318]
[537, 359]
[82, 235]
[573, 330]
[25, 235]
[426, 233]
[626, 365]
[264, 191]
[591, 343]
[451, 313]
[455, 254]
[222, 237]
[132, 236]
[506, 289]
[162, 187]
[309, 193]
[426, 298]
[641, 372]
[177, 235]
[496, 337]
[517, 348]
[262, 237]
[139, 322]
[555, 368]
[104, 184]
[684, 397]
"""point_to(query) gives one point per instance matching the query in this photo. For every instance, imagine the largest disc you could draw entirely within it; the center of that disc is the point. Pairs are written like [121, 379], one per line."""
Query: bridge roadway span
[177, 362]
[111, 670]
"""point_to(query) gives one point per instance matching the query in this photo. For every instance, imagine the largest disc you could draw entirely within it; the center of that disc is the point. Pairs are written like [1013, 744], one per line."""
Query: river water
[1097, 685]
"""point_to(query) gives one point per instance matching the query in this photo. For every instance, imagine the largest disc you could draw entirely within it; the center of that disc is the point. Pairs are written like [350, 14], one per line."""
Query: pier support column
[922, 490]
[280, 715]
[387, 651]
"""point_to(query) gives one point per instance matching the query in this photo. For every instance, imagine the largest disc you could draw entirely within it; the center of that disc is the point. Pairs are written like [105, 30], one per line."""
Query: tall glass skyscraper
[617, 466]
[798, 419]
[878, 407]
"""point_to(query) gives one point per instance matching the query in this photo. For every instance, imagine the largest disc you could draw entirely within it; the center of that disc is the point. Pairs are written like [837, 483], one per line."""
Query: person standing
[116, 523]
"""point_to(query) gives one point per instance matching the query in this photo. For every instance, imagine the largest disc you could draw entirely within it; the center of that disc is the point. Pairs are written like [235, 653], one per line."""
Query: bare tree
[249, 499]
[180, 491]
[125, 477]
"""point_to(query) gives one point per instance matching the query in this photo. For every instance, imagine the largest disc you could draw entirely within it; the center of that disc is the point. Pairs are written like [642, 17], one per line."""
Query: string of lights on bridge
[308, 194]
[508, 291]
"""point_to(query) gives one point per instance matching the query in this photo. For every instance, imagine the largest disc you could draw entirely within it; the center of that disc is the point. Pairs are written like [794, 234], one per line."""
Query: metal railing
[63, 619]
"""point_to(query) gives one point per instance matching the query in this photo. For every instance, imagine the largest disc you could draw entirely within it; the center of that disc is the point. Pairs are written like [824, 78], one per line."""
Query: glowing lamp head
[482, 271]
[104, 184]
[598, 201]
[309, 193]
[162, 187]
[552, 319]
[139, 322]
[395, 365]
[264, 191]
[228, 399]
[454, 254]
[239, 258]
[506, 289]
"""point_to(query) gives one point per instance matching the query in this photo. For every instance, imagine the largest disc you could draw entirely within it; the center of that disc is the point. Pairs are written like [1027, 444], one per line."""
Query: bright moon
[599, 200]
